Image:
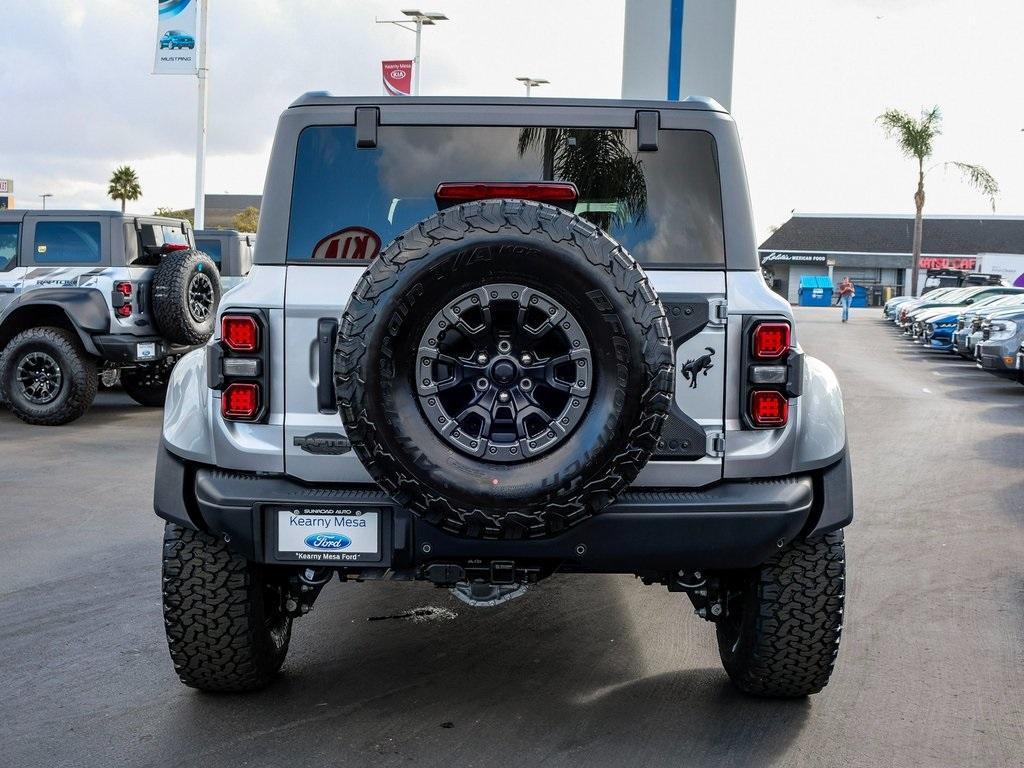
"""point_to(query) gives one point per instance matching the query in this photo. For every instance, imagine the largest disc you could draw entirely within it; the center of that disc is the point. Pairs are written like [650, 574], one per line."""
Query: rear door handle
[7, 289]
[326, 336]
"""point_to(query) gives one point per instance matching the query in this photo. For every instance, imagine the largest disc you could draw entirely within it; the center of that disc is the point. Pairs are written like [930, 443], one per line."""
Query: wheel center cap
[503, 371]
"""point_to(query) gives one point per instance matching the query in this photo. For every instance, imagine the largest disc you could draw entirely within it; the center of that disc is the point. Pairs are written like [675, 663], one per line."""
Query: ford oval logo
[327, 541]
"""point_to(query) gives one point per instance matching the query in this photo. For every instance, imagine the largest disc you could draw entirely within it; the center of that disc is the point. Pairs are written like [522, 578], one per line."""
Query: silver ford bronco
[91, 293]
[487, 341]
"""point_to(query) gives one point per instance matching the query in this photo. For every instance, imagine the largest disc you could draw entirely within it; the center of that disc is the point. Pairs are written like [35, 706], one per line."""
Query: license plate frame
[358, 555]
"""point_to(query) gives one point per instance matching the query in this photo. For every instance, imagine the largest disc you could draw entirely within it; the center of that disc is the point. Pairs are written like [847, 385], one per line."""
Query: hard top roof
[327, 99]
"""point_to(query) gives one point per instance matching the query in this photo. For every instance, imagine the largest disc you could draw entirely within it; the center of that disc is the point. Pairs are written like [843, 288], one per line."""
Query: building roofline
[947, 216]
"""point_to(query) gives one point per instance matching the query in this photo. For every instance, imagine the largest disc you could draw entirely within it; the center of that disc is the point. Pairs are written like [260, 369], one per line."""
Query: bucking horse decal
[703, 364]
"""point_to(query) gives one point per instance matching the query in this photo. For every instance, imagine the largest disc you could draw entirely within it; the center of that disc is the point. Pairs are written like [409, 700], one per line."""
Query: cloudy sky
[810, 76]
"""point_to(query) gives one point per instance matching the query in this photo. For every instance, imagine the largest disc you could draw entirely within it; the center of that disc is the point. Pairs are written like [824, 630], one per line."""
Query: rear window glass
[665, 207]
[211, 248]
[8, 245]
[67, 242]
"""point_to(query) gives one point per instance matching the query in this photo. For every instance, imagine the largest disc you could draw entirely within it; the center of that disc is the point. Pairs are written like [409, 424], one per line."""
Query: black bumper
[123, 348]
[731, 525]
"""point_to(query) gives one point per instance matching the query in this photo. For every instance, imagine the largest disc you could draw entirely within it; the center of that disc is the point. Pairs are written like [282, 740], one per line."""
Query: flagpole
[202, 73]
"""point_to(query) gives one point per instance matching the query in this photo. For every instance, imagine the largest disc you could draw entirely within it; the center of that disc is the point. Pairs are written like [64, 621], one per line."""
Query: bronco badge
[702, 364]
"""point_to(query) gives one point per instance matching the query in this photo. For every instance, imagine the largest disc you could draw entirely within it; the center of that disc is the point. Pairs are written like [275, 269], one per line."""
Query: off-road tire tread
[216, 639]
[82, 375]
[562, 507]
[142, 392]
[795, 639]
[170, 282]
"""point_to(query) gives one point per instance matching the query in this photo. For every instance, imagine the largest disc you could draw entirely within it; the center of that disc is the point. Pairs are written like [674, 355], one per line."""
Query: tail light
[773, 372]
[240, 333]
[240, 401]
[121, 298]
[768, 409]
[561, 193]
[771, 340]
[169, 247]
[237, 366]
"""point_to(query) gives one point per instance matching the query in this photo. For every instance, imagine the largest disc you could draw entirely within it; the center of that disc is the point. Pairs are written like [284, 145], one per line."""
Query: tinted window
[68, 242]
[8, 245]
[211, 248]
[664, 206]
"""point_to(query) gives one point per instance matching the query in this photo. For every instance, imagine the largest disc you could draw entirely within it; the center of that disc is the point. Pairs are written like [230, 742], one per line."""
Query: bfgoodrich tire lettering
[514, 243]
[58, 354]
[781, 633]
[225, 627]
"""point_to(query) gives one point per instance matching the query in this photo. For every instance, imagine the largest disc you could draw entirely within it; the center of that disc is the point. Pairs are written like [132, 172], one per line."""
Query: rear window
[67, 242]
[665, 206]
[211, 248]
[152, 238]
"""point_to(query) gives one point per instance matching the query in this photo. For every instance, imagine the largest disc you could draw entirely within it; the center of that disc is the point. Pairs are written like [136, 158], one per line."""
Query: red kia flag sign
[397, 77]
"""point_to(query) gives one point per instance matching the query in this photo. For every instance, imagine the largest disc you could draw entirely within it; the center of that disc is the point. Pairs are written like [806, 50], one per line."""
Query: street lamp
[530, 82]
[420, 19]
[44, 196]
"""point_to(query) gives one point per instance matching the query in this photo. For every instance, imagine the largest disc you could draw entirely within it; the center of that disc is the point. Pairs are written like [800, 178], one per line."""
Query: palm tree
[599, 163]
[124, 185]
[915, 138]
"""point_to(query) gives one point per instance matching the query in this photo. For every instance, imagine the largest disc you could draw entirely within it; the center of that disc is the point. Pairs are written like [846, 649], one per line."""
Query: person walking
[846, 292]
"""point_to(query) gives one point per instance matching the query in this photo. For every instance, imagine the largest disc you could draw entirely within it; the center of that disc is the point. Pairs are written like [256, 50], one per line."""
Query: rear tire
[47, 377]
[223, 615]
[146, 385]
[781, 634]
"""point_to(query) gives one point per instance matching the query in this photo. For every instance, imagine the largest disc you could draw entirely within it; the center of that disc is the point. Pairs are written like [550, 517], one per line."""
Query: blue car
[174, 38]
[939, 330]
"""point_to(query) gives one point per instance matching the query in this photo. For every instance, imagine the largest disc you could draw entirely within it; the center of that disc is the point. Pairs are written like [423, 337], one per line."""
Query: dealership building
[875, 251]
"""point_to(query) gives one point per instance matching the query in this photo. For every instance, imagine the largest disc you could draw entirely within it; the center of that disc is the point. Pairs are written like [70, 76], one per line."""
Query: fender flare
[85, 308]
[186, 428]
[821, 426]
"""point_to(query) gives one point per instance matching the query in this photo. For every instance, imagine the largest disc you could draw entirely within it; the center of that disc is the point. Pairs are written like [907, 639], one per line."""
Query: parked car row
[92, 296]
[983, 323]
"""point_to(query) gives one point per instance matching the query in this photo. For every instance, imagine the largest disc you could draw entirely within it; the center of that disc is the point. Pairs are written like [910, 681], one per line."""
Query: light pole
[419, 19]
[530, 82]
[203, 74]
[44, 196]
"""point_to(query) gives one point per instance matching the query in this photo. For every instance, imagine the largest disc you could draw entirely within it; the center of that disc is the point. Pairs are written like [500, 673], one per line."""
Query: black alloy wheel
[505, 372]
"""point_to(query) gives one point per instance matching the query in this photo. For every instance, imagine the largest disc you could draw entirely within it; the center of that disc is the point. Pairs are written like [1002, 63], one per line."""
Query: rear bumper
[738, 524]
[125, 348]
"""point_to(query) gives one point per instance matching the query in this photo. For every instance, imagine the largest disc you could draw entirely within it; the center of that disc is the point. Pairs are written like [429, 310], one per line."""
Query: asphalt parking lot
[581, 671]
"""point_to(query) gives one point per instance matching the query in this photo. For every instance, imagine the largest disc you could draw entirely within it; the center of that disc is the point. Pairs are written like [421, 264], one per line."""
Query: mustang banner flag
[397, 77]
[177, 49]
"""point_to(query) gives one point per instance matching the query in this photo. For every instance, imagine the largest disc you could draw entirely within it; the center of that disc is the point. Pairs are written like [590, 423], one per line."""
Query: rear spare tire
[504, 369]
[186, 294]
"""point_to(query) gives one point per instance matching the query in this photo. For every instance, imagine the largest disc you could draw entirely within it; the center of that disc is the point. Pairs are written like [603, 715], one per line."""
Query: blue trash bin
[815, 291]
[860, 296]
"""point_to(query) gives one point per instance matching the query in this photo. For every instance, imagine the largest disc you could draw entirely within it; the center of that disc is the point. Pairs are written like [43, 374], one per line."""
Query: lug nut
[526, 359]
[481, 359]
[503, 397]
[481, 384]
[504, 347]
[525, 384]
